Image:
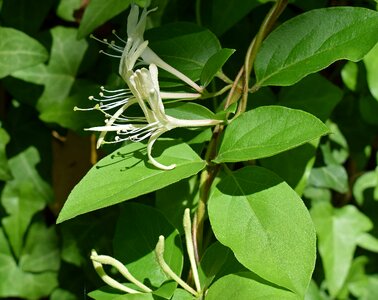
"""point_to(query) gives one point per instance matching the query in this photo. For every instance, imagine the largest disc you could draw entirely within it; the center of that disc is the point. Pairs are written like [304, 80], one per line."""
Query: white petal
[153, 161]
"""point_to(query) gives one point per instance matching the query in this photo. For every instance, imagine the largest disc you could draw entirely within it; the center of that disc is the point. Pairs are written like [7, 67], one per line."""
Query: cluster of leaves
[298, 161]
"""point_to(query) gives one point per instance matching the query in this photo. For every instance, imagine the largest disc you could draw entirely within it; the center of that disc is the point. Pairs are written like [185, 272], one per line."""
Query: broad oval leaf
[126, 174]
[18, 51]
[246, 286]
[266, 131]
[312, 41]
[265, 223]
[143, 225]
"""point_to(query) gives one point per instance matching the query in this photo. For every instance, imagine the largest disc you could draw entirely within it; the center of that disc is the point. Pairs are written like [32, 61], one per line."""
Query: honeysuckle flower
[135, 48]
[144, 86]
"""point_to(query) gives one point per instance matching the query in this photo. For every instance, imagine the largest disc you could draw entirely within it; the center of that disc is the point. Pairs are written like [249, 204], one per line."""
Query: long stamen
[117, 36]
[108, 54]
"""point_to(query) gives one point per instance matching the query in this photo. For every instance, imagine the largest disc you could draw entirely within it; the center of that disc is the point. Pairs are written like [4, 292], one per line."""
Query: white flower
[136, 47]
[100, 260]
[144, 86]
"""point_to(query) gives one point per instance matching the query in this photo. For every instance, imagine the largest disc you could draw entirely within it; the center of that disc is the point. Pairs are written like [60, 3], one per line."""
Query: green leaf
[368, 242]
[349, 74]
[66, 9]
[41, 252]
[189, 111]
[143, 225]
[224, 14]
[64, 113]
[126, 174]
[18, 51]
[20, 201]
[59, 75]
[266, 131]
[185, 46]
[338, 230]
[23, 167]
[214, 64]
[181, 294]
[366, 289]
[98, 12]
[371, 64]
[267, 226]
[247, 286]
[5, 173]
[368, 107]
[312, 41]
[24, 15]
[333, 177]
[14, 282]
[313, 94]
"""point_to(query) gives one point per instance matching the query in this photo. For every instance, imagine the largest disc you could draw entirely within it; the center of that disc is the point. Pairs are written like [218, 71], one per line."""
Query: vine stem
[239, 88]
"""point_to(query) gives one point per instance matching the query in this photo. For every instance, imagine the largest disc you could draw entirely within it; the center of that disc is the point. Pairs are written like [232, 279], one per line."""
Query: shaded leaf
[214, 65]
[217, 262]
[143, 225]
[24, 15]
[185, 46]
[175, 198]
[98, 12]
[313, 94]
[224, 14]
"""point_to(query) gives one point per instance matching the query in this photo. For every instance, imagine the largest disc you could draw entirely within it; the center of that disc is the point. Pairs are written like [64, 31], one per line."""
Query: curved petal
[151, 142]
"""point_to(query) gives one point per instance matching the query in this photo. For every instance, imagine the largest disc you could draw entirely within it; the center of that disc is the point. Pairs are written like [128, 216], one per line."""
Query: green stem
[255, 45]
[198, 12]
[239, 89]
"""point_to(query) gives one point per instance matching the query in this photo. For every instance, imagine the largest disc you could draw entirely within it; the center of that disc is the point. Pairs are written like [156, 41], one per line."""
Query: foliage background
[48, 65]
